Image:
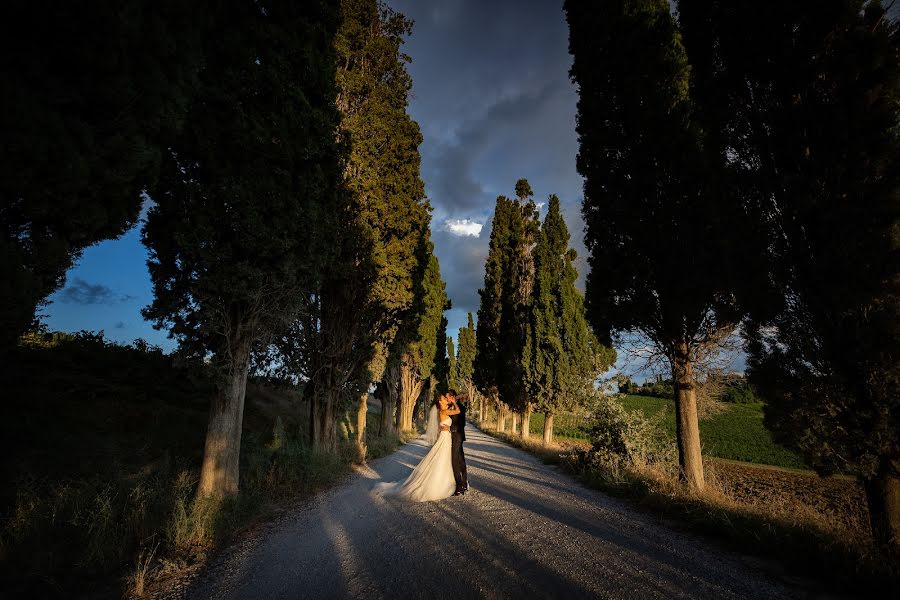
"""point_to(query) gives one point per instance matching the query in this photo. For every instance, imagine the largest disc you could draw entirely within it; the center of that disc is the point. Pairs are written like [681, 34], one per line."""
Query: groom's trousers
[459, 463]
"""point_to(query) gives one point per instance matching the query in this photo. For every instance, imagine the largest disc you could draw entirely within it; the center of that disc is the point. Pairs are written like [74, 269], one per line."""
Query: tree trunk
[883, 498]
[328, 439]
[389, 388]
[220, 473]
[526, 421]
[687, 426]
[548, 429]
[501, 420]
[315, 422]
[387, 415]
[361, 427]
[481, 410]
[427, 398]
[410, 388]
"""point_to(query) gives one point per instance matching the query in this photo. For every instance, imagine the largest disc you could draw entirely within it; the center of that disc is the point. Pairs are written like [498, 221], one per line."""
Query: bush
[617, 434]
[740, 392]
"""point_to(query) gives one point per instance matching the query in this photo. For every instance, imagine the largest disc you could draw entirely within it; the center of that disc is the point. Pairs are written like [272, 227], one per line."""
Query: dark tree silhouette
[802, 106]
[248, 201]
[651, 206]
[92, 95]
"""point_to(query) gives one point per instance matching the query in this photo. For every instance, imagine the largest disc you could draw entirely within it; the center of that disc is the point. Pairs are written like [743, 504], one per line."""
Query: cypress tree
[416, 344]
[442, 361]
[453, 369]
[804, 108]
[466, 359]
[488, 342]
[372, 290]
[562, 356]
[246, 203]
[516, 301]
[92, 96]
[651, 207]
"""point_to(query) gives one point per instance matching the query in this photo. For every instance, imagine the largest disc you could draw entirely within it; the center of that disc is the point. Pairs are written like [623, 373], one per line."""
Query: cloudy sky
[492, 96]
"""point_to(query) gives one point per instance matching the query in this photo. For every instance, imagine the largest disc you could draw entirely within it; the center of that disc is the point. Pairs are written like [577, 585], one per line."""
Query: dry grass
[796, 520]
[137, 581]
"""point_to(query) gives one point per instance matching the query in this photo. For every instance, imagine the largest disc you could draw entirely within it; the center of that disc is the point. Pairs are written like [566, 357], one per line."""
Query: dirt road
[524, 531]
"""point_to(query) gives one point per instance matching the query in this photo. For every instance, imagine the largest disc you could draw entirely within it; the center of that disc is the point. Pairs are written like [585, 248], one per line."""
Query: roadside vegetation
[101, 496]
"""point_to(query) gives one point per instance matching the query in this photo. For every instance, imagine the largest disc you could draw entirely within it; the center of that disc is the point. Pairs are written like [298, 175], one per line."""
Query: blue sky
[494, 102]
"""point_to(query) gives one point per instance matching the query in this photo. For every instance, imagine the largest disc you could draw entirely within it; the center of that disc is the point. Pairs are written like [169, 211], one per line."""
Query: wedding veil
[431, 430]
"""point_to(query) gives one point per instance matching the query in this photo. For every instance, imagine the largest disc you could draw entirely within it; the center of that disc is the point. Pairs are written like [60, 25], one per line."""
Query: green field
[564, 426]
[737, 433]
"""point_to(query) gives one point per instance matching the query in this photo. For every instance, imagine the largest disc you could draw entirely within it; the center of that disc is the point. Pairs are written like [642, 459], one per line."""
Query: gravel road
[525, 530]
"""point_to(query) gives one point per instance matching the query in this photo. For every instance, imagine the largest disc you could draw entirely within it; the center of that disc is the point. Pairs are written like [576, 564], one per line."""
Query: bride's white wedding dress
[432, 479]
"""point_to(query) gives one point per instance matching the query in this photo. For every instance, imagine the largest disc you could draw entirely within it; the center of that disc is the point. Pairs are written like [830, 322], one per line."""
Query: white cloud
[463, 227]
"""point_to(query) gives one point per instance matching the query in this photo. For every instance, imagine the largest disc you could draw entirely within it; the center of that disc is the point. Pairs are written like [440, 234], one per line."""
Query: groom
[458, 436]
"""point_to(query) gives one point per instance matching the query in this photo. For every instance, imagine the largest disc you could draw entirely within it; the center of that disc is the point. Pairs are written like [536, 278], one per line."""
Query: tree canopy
[803, 112]
[653, 214]
[562, 357]
[92, 96]
[243, 224]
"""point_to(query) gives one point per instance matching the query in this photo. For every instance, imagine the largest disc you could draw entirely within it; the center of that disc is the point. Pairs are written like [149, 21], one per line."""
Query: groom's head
[459, 398]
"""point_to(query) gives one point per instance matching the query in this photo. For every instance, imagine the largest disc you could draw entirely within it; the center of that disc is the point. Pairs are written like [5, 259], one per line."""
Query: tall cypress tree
[803, 105]
[518, 284]
[453, 371]
[488, 342]
[372, 291]
[466, 359]
[562, 355]
[651, 207]
[248, 202]
[442, 360]
[92, 96]
[416, 344]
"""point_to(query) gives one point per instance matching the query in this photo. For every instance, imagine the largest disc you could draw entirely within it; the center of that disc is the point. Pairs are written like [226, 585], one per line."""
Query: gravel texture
[525, 530]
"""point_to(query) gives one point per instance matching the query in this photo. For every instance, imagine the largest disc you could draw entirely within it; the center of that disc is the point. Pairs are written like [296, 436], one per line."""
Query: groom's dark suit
[458, 436]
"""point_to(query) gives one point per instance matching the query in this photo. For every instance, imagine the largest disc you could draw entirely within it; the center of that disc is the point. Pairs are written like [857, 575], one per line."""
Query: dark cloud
[492, 96]
[79, 291]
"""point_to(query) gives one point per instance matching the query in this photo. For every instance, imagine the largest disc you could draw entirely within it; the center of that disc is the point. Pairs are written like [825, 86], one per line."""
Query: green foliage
[453, 370]
[92, 95]
[656, 389]
[516, 299]
[618, 433]
[560, 355]
[247, 203]
[505, 299]
[465, 358]
[806, 122]
[652, 211]
[432, 302]
[487, 367]
[101, 461]
[383, 164]
[739, 391]
[443, 363]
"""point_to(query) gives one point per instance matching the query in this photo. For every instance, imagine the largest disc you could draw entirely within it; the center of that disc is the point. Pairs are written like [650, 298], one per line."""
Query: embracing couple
[442, 472]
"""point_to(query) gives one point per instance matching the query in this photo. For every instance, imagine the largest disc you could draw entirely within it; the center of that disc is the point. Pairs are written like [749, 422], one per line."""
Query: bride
[432, 479]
